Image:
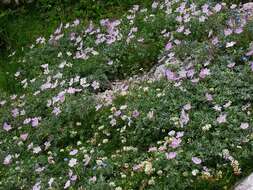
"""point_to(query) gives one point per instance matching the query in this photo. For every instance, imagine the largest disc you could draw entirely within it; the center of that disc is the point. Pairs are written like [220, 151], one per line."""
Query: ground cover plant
[17, 31]
[160, 98]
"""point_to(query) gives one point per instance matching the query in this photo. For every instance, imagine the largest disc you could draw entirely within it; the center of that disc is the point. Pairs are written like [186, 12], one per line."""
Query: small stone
[246, 184]
[160, 72]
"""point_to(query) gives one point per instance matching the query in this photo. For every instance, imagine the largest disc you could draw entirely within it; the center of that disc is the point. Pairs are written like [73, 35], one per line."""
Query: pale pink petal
[171, 155]
[244, 125]
[196, 160]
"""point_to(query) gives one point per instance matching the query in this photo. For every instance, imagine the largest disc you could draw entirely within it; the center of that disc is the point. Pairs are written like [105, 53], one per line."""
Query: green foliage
[67, 122]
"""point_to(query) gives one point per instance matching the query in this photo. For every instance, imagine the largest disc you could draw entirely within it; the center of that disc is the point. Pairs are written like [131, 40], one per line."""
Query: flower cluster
[83, 119]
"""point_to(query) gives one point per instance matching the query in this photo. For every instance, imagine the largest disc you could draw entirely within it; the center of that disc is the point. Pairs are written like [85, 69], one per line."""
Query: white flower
[73, 152]
[95, 85]
[47, 145]
[30, 146]
[244, 125]
[93, 179]
[123, 107]
[195, 172]
[98, 107]
[69, 53]
[59, 54]
[151, 181]
[36, 150]
[148, 168]
[172, 133]
[67, 184]
[110, 62]
[150, 114]
[227, 104]
[230, 44]
[83, 82]
[36, 186]
[206, 127]
[51, 180]
[112, 184]
[99, 162]
[217, 108]
[222, 118]
[17, 74]
[113, 122]
[72, 162]
[7, 159]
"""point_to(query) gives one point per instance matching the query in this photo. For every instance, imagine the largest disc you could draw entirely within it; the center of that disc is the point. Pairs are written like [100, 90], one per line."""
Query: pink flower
[135, 113]
[184, 118]
[95, 85]
[180, 29]
[209, 97]
[196, 160]
[36, 186]
[168, 46]
[239, 30]
[180, 134]
[222, 118]
[73, 178]
[15, 112]
[71, 90]
[250, 53]
[205, 9]
[136, 167]
[76, 22]
[244, 125]
[228, 32]
[162, 148]
[248, 6]
[117, 113]
[175, 142]
[23, 136]
[215, 41]
[35, 122]
[6, 126]
[190, 73]
[204, 72]
[217, 8]
[170, 75]
[251, 65]
[171, 155]
[231, 65]
[56, 111]
[152, 149]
